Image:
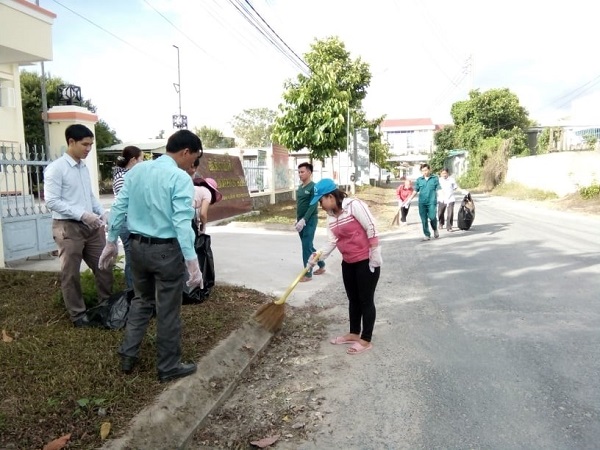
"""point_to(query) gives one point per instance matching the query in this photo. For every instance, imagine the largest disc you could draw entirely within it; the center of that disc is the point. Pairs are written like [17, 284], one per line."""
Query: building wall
[562, 172]
[11, 111]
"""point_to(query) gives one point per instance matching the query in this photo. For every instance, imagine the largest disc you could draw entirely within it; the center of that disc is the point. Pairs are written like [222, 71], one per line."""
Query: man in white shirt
[446, 200]
[78, 222]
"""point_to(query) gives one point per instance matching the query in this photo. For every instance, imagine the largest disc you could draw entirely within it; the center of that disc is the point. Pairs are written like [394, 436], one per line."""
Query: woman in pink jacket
[351, 228]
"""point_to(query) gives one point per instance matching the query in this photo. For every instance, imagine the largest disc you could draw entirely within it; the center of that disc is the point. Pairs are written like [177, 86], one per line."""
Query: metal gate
[26, 221]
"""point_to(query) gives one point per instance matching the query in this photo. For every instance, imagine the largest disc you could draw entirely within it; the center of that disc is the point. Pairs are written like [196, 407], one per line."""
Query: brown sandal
[319, 271]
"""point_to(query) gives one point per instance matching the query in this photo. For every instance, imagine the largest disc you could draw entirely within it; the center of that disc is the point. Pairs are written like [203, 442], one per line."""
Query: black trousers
[403, 214]
[442, 208]
[158, 276]
[360, 284]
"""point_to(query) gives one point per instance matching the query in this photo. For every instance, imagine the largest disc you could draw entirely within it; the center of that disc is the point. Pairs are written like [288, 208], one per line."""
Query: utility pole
[179, 121]
[44, 104]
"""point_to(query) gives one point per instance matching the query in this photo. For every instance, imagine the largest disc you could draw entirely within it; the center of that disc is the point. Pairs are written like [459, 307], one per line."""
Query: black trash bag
[111, 313]
[207, 267]
[466, 213]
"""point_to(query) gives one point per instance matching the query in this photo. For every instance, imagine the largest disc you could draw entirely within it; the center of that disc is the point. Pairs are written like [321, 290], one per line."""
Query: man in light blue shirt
[78, 222]
[156, 200]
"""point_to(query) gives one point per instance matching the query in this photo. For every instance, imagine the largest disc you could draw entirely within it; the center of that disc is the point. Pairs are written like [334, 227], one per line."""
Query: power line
[240, 6]
[278, 37]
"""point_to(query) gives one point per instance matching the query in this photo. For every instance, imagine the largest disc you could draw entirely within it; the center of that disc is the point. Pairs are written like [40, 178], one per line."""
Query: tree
[315, 107]
[488, 123]
[213, 138]
[254, 126]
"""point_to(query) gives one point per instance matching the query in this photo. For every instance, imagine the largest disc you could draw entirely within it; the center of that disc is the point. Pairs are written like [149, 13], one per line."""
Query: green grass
[57, 379]
[518, 191]
[282, 213]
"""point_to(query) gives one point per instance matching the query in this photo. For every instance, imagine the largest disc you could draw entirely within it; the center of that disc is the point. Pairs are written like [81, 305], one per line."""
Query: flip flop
[319, 271]
[305, 279]
[358, 348]
[340, 340]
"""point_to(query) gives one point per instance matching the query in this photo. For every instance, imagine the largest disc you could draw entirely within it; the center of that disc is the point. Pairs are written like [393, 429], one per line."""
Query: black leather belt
[151, 240]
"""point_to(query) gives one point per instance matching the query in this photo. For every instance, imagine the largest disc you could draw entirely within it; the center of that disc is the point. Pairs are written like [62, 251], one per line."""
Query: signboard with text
[229, 175]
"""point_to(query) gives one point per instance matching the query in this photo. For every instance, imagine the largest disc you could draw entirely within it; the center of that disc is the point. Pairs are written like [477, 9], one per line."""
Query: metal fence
[257, 178]
[26, 221]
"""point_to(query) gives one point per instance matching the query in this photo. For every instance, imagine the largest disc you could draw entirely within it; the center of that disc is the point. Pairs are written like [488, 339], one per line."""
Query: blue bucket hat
[323, 187]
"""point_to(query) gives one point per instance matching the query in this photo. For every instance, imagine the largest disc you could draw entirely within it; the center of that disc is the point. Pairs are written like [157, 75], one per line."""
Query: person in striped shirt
[130, 156]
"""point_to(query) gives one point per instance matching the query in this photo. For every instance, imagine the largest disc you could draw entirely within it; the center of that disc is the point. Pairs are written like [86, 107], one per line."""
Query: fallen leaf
[265, 442]
[104, 430]
[6, 337]
[59, 443]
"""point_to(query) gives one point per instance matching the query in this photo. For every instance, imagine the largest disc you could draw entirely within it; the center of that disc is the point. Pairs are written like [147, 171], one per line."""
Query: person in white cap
[351, 228]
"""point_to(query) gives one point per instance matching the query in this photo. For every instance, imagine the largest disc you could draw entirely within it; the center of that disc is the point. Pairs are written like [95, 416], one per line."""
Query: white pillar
[59, 118]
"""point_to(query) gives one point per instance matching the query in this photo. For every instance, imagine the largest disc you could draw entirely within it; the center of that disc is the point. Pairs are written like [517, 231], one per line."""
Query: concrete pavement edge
[182, 408]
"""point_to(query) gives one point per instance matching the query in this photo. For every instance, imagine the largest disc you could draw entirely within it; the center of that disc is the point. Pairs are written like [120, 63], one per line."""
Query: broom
[270, 315]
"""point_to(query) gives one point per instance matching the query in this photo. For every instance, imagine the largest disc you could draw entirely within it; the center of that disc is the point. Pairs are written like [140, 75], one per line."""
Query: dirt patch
[278, 397]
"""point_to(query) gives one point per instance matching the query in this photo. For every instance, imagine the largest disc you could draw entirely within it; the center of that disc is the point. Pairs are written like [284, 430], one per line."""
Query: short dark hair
[309, 166]
[129, 152]
[183, 139]
[78, 132]
[445, 170]
[424, 165]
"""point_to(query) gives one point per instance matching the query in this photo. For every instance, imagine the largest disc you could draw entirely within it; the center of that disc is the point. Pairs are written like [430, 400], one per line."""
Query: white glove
[313, 260]
[109, 255]
[194, 274]
[92, 220]
[300, 225]
[375, 258]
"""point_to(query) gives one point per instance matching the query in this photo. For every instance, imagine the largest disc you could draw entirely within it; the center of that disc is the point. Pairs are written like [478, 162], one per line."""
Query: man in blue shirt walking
[156, 201]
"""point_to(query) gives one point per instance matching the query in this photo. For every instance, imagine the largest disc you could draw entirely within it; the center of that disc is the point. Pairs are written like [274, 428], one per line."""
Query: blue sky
[417, 50]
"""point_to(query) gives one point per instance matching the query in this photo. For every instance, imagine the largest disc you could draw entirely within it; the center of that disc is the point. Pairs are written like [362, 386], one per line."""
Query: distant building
[411, 142]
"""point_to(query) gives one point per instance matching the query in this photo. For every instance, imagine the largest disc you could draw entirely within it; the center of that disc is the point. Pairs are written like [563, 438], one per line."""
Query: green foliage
[315, 107]
[213, 138]
[590, 140]
[445, 138]
[590, 192]
[543, 142]
[88, 285]
[437, 161]
[254, 126]
[471, 179]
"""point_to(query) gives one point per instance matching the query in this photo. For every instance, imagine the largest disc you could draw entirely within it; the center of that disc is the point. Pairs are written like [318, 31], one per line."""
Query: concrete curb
[181, 409]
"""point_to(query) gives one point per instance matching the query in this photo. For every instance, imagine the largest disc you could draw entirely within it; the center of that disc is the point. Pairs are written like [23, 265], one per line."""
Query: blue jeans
[124, 235]
[307, 236]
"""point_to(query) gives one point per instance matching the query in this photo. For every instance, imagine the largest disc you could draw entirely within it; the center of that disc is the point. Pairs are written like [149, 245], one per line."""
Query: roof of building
[393, 123]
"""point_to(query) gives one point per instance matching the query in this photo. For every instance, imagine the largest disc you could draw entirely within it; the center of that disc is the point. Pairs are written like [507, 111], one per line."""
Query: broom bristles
[270, 316]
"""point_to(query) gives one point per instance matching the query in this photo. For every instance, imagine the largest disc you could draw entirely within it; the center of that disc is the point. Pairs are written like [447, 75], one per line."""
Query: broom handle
[291, 287]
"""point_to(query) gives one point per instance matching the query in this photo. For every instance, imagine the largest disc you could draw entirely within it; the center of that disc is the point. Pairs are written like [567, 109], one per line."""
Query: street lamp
[179, 121]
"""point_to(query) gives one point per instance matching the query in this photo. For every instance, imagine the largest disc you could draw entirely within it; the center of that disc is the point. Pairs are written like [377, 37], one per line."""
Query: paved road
[484, 339]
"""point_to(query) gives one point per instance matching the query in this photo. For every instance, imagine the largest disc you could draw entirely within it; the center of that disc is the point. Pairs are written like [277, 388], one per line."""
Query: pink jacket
[353, 232]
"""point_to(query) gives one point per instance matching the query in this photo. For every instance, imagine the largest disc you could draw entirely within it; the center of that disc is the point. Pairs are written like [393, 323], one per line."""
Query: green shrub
[470, 180]
[590, 192]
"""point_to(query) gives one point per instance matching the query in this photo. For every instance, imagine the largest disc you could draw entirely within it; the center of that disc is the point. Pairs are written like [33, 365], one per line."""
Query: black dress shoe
[183, 370]
[82, 322]
[128, 363]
